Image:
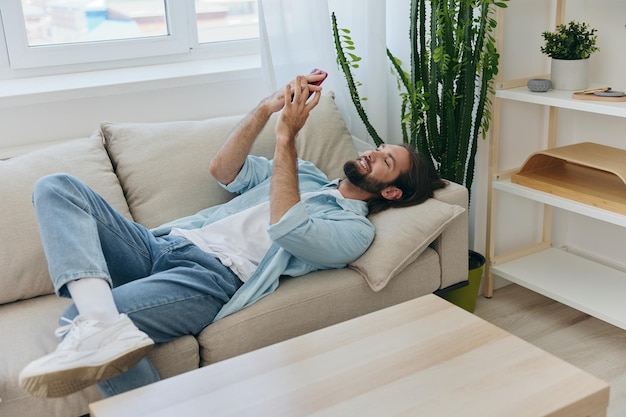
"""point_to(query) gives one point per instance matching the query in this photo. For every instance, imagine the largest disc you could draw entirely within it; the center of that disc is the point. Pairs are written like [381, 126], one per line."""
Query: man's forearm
[284, 191]
[230, 158]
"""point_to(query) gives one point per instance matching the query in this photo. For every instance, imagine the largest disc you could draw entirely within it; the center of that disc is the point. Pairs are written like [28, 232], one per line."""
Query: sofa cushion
[402, 234]
[164, 167]
[24, 268]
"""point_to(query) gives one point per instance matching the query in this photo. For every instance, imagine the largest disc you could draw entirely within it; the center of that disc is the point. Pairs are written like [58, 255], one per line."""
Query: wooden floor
[586, 342]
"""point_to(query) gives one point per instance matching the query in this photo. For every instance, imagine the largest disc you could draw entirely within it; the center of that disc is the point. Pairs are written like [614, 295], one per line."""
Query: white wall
[61, 116]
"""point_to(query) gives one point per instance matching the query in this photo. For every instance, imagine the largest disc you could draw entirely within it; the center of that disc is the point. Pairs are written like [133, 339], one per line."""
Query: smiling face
[377, 169]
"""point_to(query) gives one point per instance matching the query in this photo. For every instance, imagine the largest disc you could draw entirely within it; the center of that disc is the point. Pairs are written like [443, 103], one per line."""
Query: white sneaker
[90, 352]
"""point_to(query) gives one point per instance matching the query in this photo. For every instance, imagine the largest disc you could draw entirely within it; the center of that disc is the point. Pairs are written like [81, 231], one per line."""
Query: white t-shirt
[239, 241]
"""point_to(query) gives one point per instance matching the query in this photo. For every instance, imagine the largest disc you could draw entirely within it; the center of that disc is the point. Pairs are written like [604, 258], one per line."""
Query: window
[226, 20]
[61, 32]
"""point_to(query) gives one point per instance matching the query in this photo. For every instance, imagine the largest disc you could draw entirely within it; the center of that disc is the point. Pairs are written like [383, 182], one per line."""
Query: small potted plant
[570, 47]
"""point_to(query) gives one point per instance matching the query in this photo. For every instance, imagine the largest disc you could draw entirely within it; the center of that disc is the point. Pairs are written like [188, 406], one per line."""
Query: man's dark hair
[418, 184]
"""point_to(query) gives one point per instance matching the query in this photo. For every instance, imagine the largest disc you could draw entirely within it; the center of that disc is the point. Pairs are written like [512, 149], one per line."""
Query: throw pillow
[24, 268]
[164, 167]
[402, 234]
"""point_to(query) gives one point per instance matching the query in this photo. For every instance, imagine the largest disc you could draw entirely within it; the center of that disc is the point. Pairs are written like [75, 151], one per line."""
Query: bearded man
[133, 287]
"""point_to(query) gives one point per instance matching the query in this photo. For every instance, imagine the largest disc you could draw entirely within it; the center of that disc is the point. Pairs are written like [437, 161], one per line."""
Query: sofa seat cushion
[31, 324]
[164, 167]
[24, 268]
[304, 304]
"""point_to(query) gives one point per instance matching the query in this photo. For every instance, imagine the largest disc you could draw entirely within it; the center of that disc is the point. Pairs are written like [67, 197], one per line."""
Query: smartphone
[320, 81]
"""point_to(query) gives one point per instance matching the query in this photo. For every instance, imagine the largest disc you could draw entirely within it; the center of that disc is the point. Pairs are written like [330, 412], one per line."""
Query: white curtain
[297, 37]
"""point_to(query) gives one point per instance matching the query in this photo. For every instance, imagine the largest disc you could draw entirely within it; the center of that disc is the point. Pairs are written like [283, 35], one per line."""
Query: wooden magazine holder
[586, 172]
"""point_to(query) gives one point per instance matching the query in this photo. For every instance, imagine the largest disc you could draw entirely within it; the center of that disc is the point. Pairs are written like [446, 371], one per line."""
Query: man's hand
[284, 191]
[230, 158]
[276, 101]
[296, 108]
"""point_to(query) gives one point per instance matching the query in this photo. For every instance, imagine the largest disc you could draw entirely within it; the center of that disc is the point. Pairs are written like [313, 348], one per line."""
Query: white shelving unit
[572, 278]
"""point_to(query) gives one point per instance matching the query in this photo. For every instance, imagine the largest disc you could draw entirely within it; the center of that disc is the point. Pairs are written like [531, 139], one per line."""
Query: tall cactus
[446, 94]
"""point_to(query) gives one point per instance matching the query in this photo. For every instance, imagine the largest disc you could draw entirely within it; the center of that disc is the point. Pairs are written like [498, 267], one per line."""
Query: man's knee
[51, 184]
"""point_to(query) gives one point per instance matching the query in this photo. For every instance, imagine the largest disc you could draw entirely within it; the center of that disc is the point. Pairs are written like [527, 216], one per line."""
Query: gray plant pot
[570, 75]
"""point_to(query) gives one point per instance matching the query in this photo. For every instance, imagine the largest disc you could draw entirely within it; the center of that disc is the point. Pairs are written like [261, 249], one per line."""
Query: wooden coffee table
[425, 357]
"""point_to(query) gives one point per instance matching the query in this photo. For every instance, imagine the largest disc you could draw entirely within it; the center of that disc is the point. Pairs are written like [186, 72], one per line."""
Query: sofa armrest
[452, 245]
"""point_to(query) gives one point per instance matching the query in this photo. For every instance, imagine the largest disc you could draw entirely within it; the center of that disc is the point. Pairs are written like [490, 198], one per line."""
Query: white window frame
[181, 39]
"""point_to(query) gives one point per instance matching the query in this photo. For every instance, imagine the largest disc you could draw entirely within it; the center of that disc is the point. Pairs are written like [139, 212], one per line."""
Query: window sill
[36, 90]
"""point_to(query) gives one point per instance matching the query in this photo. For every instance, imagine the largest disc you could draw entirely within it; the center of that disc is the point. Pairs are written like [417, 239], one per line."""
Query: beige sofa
[157, 172]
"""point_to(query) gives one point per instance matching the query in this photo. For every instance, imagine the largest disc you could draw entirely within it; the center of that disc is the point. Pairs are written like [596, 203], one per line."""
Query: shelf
[585, 285]
[560, 202]
[564, 100]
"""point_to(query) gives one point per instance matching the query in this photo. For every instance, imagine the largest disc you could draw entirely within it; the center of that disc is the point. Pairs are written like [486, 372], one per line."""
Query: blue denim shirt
[323, 232]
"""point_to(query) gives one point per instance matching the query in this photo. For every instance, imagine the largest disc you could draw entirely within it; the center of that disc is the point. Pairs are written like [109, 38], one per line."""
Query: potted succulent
[570, 47]
[446, 91]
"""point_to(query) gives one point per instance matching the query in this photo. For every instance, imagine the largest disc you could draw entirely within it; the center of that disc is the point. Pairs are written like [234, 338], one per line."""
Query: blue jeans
[166, 285]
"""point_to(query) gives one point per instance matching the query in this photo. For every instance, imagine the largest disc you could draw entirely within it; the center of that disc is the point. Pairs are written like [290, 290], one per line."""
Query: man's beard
[362, 181]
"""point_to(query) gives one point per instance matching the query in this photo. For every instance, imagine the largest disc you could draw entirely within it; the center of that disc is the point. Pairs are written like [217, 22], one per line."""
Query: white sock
[93, 299]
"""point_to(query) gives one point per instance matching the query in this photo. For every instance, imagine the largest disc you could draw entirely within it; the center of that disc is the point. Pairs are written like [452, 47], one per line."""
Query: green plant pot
[465, 297]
